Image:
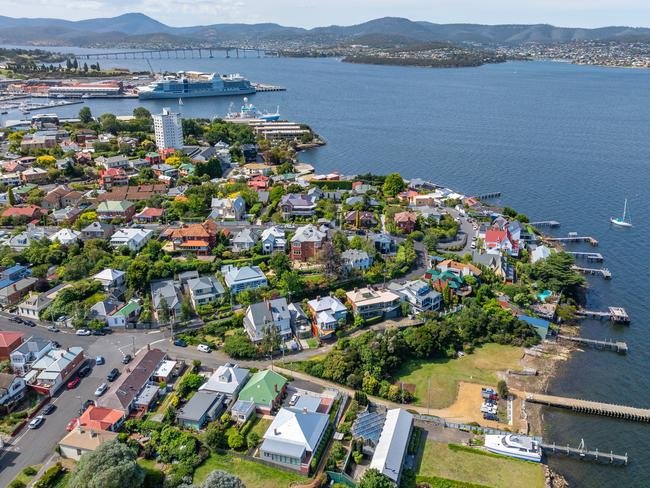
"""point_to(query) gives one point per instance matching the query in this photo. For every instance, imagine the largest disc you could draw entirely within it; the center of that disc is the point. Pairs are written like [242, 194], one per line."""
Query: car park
[101, 389]
[49, 408]
[204, 348]
[99, 360]
[83, 332]
[126, 359]
[112, 376]
[73, 383]
[36, 422]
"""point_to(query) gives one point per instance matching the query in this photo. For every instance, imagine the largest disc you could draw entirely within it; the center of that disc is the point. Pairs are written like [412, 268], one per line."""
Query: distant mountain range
[136, 29]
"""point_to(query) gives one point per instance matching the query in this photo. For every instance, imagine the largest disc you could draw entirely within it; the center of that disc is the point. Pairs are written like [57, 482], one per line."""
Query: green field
[497, 472]
[443, 375]
[254, 475]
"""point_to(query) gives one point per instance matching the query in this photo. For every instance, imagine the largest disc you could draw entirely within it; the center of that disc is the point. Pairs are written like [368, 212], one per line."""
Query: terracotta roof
[151, 212]
[9, 338]
[192, 230]
[405, 217]
[195, 243]
[27, 211]
[100, 418]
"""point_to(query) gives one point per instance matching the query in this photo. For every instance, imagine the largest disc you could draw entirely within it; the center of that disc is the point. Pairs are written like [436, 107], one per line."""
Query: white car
[83, 332]
[204, 348]
[36, 422]
[294, 399]
[101, 389]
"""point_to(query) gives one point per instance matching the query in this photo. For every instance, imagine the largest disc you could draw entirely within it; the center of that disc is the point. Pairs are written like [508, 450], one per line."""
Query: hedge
[315, 460]
[436, 482]
[50, 477]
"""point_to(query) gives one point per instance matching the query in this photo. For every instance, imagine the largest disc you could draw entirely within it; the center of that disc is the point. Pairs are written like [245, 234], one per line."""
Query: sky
[312, 13]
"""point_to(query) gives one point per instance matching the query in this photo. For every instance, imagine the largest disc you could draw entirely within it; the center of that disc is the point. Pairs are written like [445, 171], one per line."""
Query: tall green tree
[11, 199]
[85, 115]
[393, 184]
[374, 479]
[111, 465]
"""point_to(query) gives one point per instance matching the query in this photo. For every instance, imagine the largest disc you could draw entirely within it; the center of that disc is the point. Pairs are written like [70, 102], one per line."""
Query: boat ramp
[591, 408]
[616, 346]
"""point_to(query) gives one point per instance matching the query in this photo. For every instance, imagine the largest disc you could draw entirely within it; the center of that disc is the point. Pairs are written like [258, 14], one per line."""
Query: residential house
[539, 253]
[195, 238]
[228, 208]
[167, 370]
[300, 321]
[14, 292]
[459, 269]
[405, 221]
[101, 418]
[356, 259]
[250, 152]
[166, 292]
[242, 410]
[306, 243]
[118, 161]
[66, 236]
[113, 281]
[132, 193]
[293, 437]
[124, 315]
[36, 176]
[97, 230]
[297, 205]
[240, 279]
[124, 392]
[60, 197]
[24, 213]
[49, 373]
[418, 294]
[10, 179]
[78, 442]
[245, 239]
[111, 210]
[203, 407]
[228, 380]
[112, 177]
[273, 239]
[12, 390]
[103, 308]
[495, 262]
[165, 170]
[149, 215]
[262, 315]
[327, 312]
[67, 214]
[359, 219]
[372, 302]
[22, 240]
[265, 389]
[384, 243]
[9, 340]
[32, 307]
[204, 290]
[133, 238]
[500, 241]
[259, 182]
[391, 449]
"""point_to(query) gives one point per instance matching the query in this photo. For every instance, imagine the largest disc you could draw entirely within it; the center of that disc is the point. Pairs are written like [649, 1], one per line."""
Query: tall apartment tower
[169, 129]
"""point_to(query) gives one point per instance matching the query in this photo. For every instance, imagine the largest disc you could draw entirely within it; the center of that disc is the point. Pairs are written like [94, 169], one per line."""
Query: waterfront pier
[546, 223]
[618, 346]
[573, 237]
[604, 272]
[591, 408]
[183, 52]
[489, 196]
[583, 453]
[594, 257]
[615, 314]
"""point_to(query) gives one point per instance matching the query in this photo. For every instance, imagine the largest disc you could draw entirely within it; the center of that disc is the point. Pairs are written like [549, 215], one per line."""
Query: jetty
[489, 196]
[574, 237]
[263, 87]
[604, 272]
[615, 314]
[591, 408]
[583, 453]
[594, 257]
[545, 223]
[616, 346]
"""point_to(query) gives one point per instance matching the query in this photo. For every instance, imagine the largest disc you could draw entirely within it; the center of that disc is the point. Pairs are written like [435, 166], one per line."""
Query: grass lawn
[440, 461]
[254, 475]
[261, 426]
[445, 374]
[25, 478]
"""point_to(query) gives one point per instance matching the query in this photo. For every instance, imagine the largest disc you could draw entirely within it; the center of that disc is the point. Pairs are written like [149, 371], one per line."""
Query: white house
[134, 239]
[539, 253]
[227, 379]
[273, 239]
[29, 352]
[240, 279]
[12, 389]
[66, 236]
[112, 280]
[272, 313]
[228, 208]
[245, 239]
[419, 294]
[356, 259]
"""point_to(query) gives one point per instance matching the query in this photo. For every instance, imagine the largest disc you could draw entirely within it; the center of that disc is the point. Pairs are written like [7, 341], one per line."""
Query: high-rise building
[169, 129]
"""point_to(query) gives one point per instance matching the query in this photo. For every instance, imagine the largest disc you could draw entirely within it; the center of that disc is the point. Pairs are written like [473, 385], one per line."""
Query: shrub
[50, 477]
[252, 439]
[16, 484]
[235, 440]
[29, 471]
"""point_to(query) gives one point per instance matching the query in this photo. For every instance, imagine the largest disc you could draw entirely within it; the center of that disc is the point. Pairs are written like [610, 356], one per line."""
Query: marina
[591, 408]
[618, 346]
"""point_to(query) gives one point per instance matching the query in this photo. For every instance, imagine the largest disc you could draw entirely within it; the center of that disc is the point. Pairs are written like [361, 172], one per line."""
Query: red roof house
[9, 341]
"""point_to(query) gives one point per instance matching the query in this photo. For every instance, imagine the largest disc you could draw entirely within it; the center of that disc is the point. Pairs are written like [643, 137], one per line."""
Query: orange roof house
[198, 238]
[9, 341]
[101, 418]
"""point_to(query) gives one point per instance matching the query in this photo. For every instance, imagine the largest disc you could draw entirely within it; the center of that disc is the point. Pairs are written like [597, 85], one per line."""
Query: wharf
[585, 454]
[604, 272]
[546, 223]
[591, 408]
[615, 314]
[36, 106]
[618, 346]
[574, 238]
[489, 196]
[594, 257]
[263, 87]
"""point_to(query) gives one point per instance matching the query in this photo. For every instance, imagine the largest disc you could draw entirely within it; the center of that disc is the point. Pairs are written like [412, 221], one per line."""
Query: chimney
[304, 410]
[276, 388]
[276, 432]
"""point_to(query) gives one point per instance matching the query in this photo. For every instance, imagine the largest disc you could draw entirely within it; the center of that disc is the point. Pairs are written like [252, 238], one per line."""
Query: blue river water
[561, 142]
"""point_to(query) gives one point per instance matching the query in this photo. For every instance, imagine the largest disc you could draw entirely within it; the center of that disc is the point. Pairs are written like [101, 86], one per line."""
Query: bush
[235, 440]
[252, 440]
[16, 484]
[239, 346]
[29, 471]
[50, 477]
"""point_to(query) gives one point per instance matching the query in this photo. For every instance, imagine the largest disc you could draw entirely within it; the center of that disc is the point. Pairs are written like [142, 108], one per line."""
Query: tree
[215, 438]
[331, 260]
[239, 346]
[111, 465]
[235, 440]
[374, 479]
[279, 262]
[45, 161]
[190, 382]
[221, 479]
[85, 115]
[271, 338]
[163, 311]
[502, 389]
[290, 283]
[11, 199]
[141, 113]
[393, 185]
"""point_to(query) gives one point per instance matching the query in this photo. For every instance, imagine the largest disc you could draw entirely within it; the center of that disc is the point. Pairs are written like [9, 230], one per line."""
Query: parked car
[126, 359]
[294, 399]
[36, 422]
[101, 389]
[49, 408]
[85, 406]
[99, 332]
[99, 360]
[83, 332]
[84, 371]
[73, 383]
[56, 344]
[204, 348]
[29, 323]
[18, 320]
[71, 425]
[180, 343]
[51, 328]
[112, 376]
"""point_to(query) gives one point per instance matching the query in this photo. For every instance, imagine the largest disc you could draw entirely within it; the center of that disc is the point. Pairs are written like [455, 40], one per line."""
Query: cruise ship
[513, 445]
[189, 84]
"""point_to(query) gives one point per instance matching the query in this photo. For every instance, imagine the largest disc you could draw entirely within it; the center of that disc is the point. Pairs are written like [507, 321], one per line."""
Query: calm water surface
[561, 142]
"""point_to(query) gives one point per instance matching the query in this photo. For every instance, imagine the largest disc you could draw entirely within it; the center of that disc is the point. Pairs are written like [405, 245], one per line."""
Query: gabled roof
[10, 338]
[308, 233]
[109, 274]
[100, 418]
[293, 432]
[263, 387]
[391, 448]
[227, 379]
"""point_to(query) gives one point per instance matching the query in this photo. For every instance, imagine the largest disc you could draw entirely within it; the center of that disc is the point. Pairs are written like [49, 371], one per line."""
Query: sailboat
[624, 220]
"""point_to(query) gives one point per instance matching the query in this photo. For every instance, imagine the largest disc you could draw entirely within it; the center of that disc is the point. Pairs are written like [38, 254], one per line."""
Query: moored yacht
[514, 445]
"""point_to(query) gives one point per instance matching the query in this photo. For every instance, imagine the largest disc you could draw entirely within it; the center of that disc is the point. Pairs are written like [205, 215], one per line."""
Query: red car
[71, 425]
[73, 383]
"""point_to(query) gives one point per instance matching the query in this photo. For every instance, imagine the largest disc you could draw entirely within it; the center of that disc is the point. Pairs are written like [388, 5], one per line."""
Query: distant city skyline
[314, 13]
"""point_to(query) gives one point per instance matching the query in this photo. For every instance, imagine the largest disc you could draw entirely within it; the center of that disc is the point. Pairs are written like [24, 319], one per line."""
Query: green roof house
[110, 209]
[265, 389]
